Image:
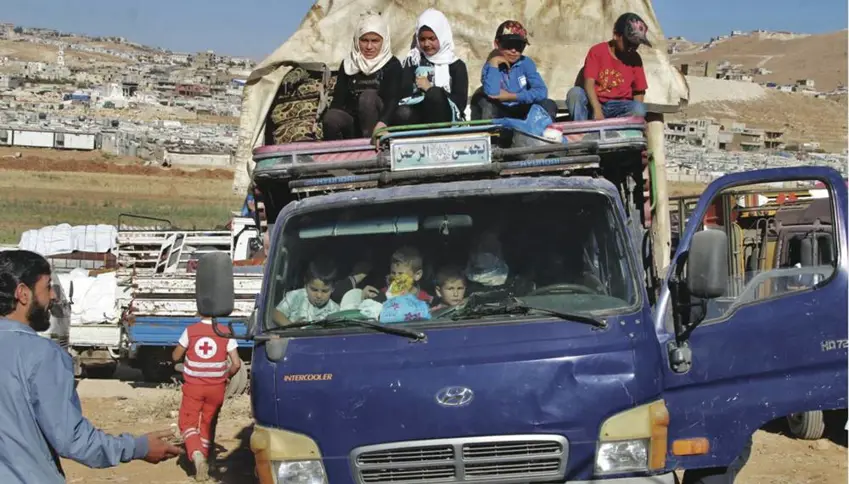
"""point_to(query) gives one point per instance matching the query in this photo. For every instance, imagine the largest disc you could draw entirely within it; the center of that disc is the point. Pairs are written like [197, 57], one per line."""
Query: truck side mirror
[707, 264]
[214, 292]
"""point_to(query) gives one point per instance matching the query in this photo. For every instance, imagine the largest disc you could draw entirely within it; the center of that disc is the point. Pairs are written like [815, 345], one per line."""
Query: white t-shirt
[184, 339]
[297, 307]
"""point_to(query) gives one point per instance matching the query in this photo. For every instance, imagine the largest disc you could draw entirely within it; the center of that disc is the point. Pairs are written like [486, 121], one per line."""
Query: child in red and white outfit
[205, 374]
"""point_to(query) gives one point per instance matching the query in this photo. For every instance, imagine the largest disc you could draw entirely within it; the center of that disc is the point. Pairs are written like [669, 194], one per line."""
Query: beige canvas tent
[560, 32]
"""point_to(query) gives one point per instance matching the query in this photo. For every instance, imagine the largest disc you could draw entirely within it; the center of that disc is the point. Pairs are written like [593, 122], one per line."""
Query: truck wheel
[238, 384]
[156, 372]
[807, 425]
[100, 372]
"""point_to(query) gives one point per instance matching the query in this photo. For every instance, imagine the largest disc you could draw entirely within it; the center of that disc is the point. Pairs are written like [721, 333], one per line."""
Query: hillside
[802, 118]
[789, 57]
[31, 52]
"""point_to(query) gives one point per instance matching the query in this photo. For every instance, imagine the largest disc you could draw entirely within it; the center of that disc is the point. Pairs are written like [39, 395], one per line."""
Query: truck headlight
[633, 440]
[622, 456]
[300, 472]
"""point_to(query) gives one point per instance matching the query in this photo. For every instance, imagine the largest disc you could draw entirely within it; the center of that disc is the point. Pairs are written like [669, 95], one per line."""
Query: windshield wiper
[512, 305]
[349, 321]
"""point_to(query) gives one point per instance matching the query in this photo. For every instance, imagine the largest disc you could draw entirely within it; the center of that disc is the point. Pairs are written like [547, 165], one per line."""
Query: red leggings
[198, 412]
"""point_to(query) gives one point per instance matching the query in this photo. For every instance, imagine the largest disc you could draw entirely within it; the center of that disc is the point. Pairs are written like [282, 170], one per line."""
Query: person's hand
[497, 60]
[380, 125]
[504, 96]
[598, 115]
[370, 292]
[158, 448]
[423, 83]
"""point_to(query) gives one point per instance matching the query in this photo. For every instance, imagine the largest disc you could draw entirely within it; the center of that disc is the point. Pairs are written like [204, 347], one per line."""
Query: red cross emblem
[206, 347]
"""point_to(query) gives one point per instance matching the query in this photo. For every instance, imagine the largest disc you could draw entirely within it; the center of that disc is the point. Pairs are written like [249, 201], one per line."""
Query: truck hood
[555, 377]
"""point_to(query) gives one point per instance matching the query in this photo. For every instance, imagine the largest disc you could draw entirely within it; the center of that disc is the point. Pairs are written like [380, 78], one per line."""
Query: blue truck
[156, 285]
[568, 360]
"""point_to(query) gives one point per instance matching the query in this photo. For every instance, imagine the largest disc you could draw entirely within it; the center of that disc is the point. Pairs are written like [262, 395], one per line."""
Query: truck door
[744, 356]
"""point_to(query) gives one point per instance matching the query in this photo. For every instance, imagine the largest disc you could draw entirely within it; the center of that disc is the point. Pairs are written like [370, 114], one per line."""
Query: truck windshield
[421, 261]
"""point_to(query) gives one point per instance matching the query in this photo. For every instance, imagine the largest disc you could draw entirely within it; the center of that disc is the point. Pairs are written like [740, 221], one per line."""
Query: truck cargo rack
[415, 154]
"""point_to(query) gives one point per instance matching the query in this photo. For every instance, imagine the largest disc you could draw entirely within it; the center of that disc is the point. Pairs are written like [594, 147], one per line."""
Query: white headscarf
[355, 62]
[436, 21]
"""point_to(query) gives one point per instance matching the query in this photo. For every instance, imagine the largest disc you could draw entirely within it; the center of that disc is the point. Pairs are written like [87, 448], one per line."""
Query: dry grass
[30, 200]
[47, 187]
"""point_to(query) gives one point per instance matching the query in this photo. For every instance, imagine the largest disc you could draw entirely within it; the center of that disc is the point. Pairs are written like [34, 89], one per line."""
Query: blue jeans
[579, 106]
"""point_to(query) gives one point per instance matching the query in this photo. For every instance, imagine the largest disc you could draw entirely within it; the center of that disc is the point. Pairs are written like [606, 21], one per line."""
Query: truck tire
[155, 371]
[807, 425]
[100, 372]
[238, 383]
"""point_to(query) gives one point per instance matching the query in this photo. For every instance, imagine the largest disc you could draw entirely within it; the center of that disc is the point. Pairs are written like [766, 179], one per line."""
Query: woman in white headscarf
[366, 92]
[434, 82]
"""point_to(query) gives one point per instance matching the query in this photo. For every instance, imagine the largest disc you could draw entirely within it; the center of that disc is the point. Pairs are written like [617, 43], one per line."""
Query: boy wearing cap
[511, 82]
[612, 83]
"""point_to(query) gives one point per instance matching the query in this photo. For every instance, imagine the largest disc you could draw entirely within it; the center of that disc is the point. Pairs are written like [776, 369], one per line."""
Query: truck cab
[563, 362]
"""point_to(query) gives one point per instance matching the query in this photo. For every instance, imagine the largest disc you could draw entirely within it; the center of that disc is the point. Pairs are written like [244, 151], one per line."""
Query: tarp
[92, 298]
[64, 239]
[560, 32]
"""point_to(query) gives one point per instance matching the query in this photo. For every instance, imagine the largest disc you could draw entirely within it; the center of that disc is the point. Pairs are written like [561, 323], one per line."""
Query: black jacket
[387, 82]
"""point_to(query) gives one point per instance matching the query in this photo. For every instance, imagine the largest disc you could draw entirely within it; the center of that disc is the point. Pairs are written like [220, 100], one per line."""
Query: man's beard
[39, 317]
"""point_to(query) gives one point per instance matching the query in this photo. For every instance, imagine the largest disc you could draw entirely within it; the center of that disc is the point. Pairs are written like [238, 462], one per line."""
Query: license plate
[440, 152]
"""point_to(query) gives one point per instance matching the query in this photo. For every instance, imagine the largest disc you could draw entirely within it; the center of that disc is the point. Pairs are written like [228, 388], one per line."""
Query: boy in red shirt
[205, 374]
[612, 83]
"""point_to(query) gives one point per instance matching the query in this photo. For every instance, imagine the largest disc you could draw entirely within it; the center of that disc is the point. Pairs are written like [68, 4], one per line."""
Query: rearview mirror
[214, 292]
[707, 264]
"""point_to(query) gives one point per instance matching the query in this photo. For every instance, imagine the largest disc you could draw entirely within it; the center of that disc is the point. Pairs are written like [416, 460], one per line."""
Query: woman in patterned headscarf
[366, 92]
[434, 82]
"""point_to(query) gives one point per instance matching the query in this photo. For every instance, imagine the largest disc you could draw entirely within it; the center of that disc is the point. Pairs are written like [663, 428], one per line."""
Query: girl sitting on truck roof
[366, 92]
[434, 81]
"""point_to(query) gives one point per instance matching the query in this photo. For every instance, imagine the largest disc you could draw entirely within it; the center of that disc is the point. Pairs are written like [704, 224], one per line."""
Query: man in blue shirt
[511, 82]
[40, 415]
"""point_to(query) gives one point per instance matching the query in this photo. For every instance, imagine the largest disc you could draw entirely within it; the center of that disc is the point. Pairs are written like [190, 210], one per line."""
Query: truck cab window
[430, 255]
[780, 242]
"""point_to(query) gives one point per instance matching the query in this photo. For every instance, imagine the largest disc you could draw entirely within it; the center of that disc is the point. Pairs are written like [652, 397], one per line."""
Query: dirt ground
[118, 406]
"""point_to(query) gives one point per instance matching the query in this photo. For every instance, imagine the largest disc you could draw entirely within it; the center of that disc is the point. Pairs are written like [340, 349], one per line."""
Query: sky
[254, 28]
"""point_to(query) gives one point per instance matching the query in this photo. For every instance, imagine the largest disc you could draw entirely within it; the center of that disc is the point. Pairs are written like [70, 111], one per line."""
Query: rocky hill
[789, 57]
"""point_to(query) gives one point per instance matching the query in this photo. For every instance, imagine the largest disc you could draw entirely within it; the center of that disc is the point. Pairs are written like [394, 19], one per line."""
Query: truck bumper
[658, 479]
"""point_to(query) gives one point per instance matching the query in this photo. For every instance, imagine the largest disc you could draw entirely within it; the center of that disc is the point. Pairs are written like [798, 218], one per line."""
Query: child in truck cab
[450, 287]
[366, 91]
[612, 82]
[434, 82]
[312, 302]
[511, 82]
[405, 272]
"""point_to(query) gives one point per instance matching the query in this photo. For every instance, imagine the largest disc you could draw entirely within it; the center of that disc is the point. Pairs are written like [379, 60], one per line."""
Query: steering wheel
[562, 287]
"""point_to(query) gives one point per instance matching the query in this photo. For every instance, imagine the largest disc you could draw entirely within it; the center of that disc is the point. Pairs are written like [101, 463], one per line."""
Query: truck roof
[470, 187]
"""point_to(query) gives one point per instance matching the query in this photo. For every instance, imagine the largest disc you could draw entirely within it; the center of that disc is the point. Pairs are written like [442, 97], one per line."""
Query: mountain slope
[820, 57]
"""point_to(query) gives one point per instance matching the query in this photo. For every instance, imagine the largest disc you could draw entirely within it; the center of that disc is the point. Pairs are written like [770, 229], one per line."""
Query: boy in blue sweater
[511, 82]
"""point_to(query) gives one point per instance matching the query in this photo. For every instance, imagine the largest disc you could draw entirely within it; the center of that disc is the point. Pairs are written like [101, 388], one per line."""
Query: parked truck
[581, 352]
[558, 366]
[144, 289]
[156, 280]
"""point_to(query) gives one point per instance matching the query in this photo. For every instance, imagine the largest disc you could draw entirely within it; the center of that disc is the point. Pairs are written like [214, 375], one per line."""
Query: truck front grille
[509, 458]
